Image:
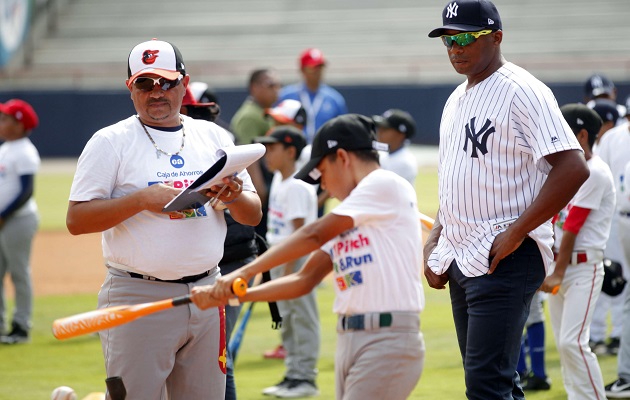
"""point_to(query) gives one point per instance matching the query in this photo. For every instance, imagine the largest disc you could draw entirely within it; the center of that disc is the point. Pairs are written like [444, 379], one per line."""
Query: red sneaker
[278, 353]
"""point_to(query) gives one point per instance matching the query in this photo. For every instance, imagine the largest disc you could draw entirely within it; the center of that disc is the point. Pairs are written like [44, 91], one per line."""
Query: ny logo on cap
[597, 82]
[149, 56]
[451, 10]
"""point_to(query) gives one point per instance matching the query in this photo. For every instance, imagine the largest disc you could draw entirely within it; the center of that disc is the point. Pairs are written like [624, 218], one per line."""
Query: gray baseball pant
[300, 331]
[379, 363]
[16, 239]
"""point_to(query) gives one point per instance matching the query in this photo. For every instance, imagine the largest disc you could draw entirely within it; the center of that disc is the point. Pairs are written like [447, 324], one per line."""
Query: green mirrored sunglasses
[464, 38]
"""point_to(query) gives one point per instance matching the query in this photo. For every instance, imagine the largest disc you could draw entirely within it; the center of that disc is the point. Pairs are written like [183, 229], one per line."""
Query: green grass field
[30, 372]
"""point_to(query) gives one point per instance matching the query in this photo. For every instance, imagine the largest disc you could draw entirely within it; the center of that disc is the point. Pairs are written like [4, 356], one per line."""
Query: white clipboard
[232, 160]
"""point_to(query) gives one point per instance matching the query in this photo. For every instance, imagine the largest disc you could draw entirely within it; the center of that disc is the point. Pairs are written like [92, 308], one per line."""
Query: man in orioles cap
[125, 176]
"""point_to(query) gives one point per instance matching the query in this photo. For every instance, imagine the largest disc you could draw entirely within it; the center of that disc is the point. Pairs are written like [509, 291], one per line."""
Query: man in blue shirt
[320, 101]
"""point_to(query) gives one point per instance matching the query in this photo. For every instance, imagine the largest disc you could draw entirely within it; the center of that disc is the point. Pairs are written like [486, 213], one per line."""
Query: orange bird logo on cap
[149, 56]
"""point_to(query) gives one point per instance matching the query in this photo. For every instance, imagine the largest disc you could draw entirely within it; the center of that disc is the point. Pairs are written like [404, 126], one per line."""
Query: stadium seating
[365, 41]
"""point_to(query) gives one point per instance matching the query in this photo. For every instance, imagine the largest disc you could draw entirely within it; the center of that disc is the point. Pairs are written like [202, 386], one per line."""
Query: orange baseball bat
[426, 222]
[106, 318]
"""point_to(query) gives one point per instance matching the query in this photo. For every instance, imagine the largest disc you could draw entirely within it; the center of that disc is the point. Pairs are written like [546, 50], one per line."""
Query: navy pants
[490, 313]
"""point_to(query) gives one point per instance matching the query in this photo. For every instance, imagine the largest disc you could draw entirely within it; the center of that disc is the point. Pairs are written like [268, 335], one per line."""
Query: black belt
[186, 279]
[357, 322]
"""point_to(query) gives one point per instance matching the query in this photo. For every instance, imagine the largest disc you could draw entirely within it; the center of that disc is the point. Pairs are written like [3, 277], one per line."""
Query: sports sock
[536, 339]
[521, 367]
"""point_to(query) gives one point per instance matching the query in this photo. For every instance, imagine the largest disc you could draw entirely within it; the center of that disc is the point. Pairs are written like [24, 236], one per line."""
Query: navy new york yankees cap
[348, 132]
[468, 16]
[597, 85]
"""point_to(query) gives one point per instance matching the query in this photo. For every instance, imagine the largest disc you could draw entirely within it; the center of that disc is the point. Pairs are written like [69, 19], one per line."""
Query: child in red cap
[19, 220]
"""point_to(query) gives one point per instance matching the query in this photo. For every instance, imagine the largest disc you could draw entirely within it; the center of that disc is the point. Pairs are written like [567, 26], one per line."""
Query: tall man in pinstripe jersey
[508, 162]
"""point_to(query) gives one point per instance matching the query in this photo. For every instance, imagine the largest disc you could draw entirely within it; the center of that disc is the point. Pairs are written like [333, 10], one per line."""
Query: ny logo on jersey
[484, 132]
[451, 10]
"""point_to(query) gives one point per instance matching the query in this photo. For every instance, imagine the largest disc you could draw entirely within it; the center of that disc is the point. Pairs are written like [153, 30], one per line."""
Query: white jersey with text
[493, 140]
[114, 163]
[289, 199]
[377, 264]
[598, 195]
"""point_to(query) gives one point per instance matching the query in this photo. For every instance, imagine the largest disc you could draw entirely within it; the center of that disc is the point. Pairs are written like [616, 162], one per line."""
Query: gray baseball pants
[16, 239]
[379, 362]
[300, 331]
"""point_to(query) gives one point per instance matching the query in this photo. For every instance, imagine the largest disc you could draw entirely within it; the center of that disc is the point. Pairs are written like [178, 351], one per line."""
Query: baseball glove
[614, 282]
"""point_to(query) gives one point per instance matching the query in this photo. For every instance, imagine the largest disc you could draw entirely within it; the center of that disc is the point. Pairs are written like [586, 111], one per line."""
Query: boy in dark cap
[581, 231]
[609, 114]
[395, 128]
[371, 242]
[292, 204]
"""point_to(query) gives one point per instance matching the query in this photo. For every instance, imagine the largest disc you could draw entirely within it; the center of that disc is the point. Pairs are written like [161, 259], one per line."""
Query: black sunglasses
[147, 83]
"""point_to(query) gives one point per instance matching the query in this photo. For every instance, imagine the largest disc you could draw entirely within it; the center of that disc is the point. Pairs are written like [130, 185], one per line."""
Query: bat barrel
[106, 318]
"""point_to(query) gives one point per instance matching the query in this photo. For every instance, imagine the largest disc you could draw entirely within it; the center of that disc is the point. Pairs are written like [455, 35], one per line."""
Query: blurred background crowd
[67, 57]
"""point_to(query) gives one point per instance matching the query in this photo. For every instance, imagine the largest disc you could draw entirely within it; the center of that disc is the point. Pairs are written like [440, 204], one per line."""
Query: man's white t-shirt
[377, 264]
[119, 160]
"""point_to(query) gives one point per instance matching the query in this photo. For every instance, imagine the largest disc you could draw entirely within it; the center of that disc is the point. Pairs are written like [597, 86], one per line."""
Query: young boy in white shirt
[292, 204]
[371, 243]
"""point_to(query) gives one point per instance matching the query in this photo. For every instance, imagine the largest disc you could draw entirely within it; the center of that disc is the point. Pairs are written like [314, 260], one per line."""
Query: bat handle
[239, 287]
[181, 300]
[555, 289]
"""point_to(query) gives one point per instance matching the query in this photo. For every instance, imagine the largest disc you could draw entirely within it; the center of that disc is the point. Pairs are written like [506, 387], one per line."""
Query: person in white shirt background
[395, 128]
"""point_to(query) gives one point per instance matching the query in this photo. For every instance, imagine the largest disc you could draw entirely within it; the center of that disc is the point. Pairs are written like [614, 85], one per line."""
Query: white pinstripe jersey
[493, 139]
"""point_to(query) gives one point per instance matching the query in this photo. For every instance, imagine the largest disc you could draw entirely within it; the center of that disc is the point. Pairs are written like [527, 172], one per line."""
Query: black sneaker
[536, 383]
[523, 376]
[298, 388]
[613, 346]
[271, 390]
[619, 389]
[17, 335]
[599, 347]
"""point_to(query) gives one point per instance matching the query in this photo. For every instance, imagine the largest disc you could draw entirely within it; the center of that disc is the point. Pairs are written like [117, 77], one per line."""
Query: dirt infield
[65, 264]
